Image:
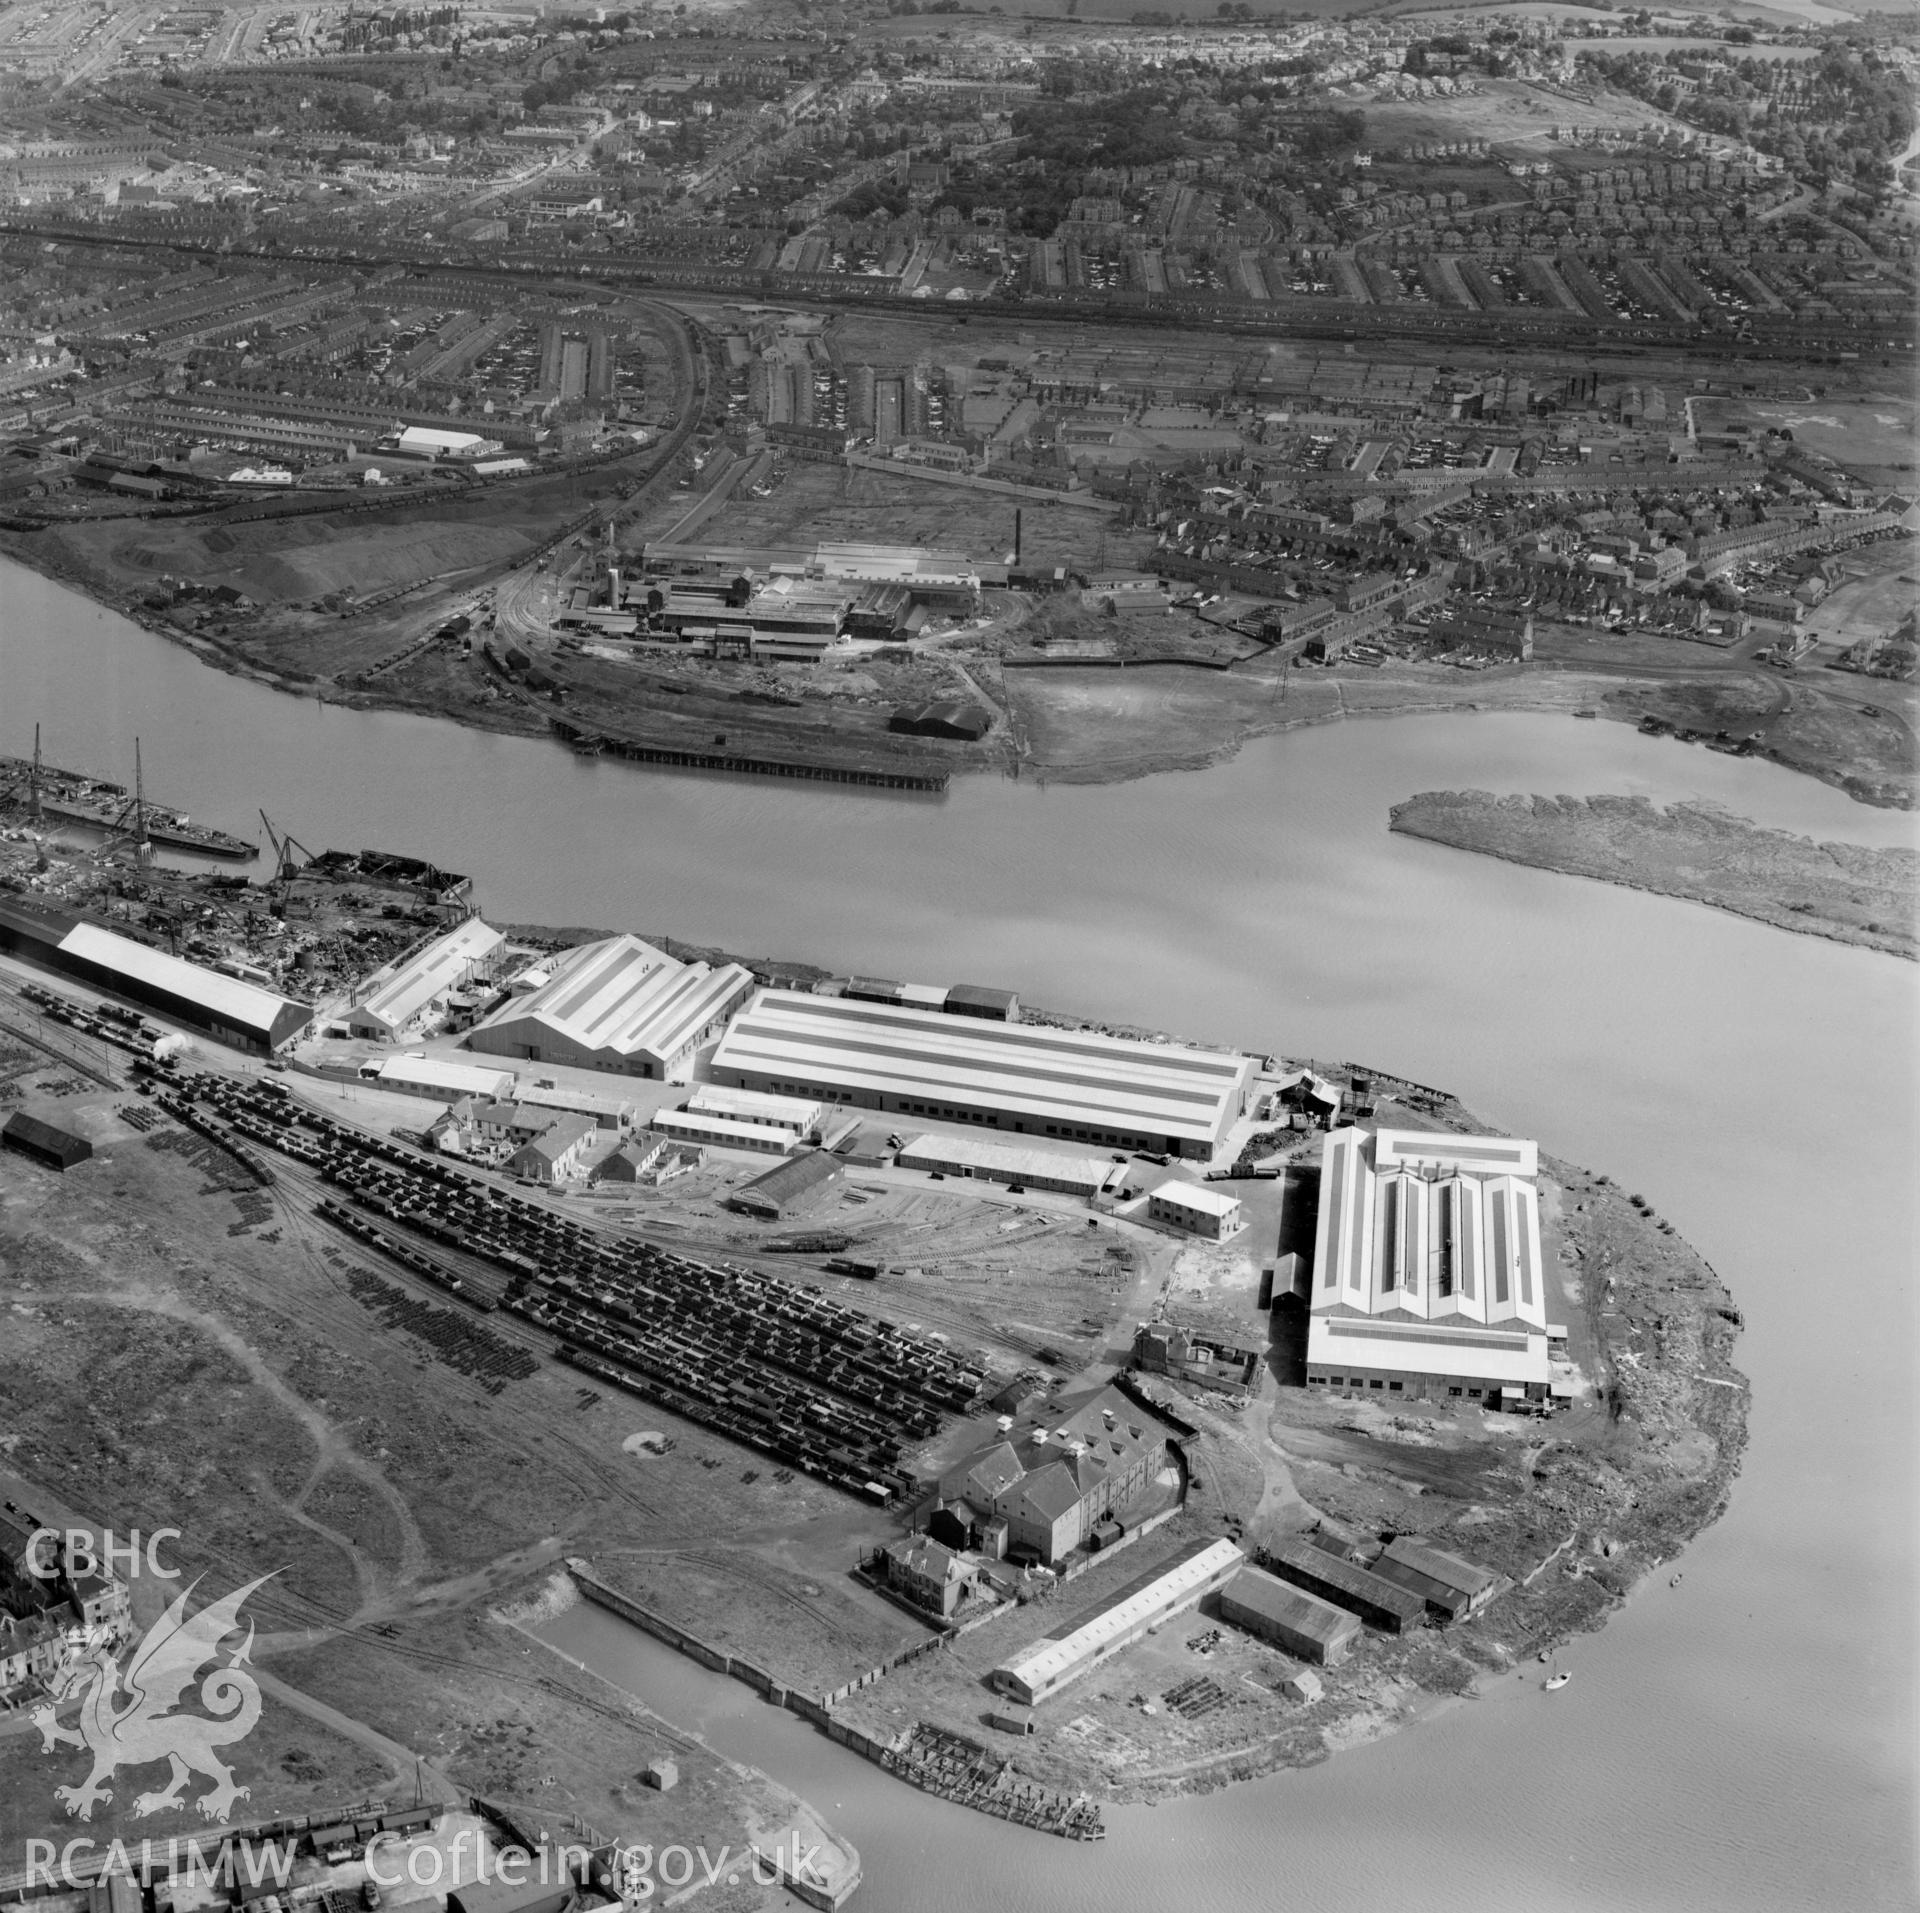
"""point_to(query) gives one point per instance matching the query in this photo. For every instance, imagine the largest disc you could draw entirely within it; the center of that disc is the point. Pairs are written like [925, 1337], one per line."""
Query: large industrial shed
[1290, 1617]
[1117, 1622]
[616, 1005]
[1076, 1085]
[1428, 1279]
[224, 1007]
[1007, 1162]
[415, 991]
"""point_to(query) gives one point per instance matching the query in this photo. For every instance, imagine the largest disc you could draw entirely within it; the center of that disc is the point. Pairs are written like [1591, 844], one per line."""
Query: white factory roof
[1469, 1155]
[1427, 1348]
[244, 1005]
[722, 1132]
[1195, 1195]
[1068, 1077]
[977, 1152]
[1045, 1661]
[401, 993]
[906, 564]
[1428, 1241]
[754, 1106]
[624, 997]
[424, 438]
[456, 1079]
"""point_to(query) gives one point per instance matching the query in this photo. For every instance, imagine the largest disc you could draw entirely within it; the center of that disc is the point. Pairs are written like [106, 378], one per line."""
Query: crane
[284, 868]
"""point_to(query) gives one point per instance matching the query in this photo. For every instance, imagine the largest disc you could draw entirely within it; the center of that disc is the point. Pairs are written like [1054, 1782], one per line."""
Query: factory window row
[1397, 1388]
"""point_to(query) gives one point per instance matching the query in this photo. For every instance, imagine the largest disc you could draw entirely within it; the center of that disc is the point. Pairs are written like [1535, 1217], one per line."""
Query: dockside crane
[131, 821]
[284, 868]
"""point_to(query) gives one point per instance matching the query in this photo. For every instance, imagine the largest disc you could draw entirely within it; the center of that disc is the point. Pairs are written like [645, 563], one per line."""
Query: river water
[1744, 1740]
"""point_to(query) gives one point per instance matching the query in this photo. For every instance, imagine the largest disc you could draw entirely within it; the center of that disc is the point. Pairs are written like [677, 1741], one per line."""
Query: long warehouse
[225, 1007]
[1075, 1085]
[1118, 1621]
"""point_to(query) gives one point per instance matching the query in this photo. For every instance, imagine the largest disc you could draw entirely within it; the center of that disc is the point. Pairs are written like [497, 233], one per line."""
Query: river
[1744, 1740]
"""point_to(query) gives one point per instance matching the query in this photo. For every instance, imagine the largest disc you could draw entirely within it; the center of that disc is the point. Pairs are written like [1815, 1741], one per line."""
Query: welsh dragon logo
[126, 1718]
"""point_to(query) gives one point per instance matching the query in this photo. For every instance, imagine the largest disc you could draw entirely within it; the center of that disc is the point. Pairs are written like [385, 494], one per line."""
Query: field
[1504, 113]
[1873, 437]
[819, 503]
[278, 562]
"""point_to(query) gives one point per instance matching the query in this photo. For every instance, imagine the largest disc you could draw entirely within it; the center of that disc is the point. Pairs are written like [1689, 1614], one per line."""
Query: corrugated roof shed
[224, 1006]
[1444, 1581]
[1028, 1076]
[1302, 1622]
[1332, 1578]
[57, 1148]
[977, 999]
[787, 1185]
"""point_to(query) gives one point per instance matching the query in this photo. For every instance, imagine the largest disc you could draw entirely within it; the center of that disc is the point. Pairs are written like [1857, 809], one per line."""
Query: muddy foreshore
[1846, 892]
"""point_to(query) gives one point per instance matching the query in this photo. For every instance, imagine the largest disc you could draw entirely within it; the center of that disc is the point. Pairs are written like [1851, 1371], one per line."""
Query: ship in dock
[47, 793]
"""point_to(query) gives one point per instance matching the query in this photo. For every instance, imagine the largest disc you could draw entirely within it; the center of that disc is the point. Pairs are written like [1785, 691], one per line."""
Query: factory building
[1197, 1209]
[52, 1147]
[1332, 1577]
[1428, 1278]
[415, 993]
[1074, 1085]
[792, 1113]
[616, 1005]
[229, 1010]
[977, 999]
[939, 580]
[1006, 1162]
[1097, 1633]
[722, 1132]
[788, 1189]
[1304, 1625]
[1452, 1587]
[443, 1081]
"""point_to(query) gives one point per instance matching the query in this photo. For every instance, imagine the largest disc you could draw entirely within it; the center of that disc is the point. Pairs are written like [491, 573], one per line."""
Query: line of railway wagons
[818, 1386]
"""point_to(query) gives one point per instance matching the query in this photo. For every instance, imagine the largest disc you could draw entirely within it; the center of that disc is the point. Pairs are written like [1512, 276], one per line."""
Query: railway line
[820, 1387]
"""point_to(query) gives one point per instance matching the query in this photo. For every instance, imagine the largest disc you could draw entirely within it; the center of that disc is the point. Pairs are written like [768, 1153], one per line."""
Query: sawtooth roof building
[1428, 1278]
[226, 1008]
[1074, 1085]
[616, 1005]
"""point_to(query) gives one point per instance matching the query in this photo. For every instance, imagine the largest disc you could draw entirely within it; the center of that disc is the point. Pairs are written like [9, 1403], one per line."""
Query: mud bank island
[1054, 1414]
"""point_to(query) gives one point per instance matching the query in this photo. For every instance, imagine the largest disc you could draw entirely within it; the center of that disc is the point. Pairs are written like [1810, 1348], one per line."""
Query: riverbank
[1700, 852]
[1078, 726]
[1261, 900]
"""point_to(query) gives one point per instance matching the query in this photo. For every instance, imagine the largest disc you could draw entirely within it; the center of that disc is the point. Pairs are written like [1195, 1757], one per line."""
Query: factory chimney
[1016, 534]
